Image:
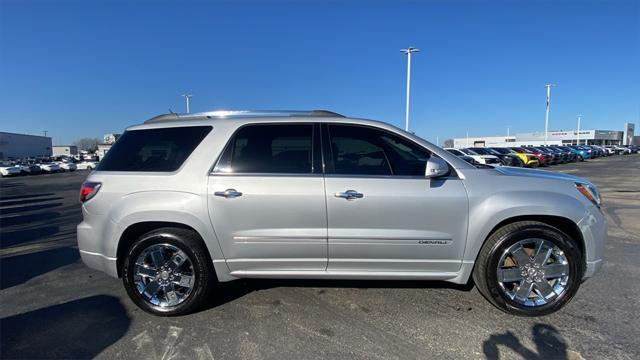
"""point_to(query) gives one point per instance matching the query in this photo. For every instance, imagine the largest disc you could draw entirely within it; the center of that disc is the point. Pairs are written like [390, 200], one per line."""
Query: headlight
[590, 192]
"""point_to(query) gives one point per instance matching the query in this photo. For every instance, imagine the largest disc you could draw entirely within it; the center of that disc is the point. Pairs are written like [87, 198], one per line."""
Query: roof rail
[228, 114]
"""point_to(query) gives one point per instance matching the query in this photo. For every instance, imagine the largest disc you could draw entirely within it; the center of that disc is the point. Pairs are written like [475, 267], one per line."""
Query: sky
[86, 68]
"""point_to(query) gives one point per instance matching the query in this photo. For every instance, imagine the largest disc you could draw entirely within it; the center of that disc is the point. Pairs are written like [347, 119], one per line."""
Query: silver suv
[184, 201]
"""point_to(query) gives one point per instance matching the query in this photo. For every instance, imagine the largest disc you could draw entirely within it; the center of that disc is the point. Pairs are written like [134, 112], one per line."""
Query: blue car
[581, 152]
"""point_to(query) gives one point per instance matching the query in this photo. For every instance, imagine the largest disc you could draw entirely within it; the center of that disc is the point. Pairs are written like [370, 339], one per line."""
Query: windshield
[480, 151]
[469, 152]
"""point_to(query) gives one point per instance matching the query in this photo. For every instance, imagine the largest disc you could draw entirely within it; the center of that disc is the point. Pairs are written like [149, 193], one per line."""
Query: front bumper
[593, 227]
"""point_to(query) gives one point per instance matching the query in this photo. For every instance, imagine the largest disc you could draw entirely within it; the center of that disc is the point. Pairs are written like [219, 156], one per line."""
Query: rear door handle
[349, 195]
[229, 193]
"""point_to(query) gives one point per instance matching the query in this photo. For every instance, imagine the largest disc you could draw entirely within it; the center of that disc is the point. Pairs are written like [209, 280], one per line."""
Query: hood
[517, 171]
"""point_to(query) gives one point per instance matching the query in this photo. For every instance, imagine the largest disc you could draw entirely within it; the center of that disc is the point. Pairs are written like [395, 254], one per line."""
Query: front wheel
[168, 272]
[529, 268]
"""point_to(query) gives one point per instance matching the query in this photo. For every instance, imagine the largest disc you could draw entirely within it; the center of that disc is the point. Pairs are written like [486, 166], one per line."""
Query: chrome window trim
[388, 177]
[266, 174]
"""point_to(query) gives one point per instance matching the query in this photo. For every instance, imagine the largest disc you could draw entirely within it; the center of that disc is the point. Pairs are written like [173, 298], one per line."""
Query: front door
[266, 200]
[383, 214]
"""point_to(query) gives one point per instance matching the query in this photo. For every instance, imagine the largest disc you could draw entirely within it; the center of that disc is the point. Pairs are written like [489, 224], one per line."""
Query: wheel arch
[134, 231]
[563, 224]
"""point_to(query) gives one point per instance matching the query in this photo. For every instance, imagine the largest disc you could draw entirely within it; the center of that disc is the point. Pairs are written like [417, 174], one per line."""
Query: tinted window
[357, 150]
[272, 149]
[153, 149]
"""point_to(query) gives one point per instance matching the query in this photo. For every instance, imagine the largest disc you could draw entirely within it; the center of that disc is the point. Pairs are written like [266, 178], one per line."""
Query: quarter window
[156, 150]
[271, 149]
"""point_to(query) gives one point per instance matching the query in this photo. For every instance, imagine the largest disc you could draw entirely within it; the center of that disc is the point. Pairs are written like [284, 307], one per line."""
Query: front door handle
[349, 195]
[229, 193]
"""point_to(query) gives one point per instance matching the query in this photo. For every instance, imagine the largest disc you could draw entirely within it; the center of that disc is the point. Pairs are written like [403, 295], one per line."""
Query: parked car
[29, 169]
[48, 166]
[66, 166]
[595, 151]
[562, 156]
[7, 169]
[484, 156]
[571, 154]
[609, 150]
[471, 160]
[552, 156]
[175, 206]
[87, 165]
[543, 158]
[632, 148]
[508, 156]
[481, 159]
[528, 159]
[581, 153]
[619, 150]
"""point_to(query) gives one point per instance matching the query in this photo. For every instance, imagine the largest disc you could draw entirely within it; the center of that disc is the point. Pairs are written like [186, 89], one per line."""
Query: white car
[67, 166]
[87, 165]
[482, 159]
[49, 167]
[9, 170]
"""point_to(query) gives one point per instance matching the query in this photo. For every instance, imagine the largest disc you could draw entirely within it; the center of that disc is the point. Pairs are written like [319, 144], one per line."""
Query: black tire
[203, 272]
[485, 270]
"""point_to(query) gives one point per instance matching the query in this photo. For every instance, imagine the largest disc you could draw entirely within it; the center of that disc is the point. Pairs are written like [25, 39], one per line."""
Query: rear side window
[155, 150]
[269, 149]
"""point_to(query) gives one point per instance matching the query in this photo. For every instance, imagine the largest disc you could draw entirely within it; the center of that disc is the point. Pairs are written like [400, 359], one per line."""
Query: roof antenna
[171, 112]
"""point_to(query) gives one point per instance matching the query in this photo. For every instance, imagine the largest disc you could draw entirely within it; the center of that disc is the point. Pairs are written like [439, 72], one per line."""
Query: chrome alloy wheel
[163, 275]
[533, 272]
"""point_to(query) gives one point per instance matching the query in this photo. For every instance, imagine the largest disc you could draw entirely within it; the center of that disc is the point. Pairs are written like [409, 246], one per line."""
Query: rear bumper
[92, 252]
[100, 262]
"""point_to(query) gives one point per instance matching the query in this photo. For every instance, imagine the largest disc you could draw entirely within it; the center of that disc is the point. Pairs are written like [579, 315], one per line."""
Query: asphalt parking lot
[52, 306]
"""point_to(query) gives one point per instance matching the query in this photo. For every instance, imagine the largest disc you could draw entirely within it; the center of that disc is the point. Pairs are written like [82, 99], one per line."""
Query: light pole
[187, 97]
[408, 51]
[45, 132]
[546, 117]
[578, 133]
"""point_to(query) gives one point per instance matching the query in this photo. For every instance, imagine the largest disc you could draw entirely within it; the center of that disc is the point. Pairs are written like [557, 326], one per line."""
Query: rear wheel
[529, 268]
[168, 272]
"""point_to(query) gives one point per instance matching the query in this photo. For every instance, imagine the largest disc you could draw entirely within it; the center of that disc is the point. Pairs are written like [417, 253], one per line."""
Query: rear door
[266, 199]
[383, 214]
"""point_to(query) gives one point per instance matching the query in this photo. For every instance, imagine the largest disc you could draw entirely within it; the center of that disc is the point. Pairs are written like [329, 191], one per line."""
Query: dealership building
[571, 137]
[16, 146]
[68, 150]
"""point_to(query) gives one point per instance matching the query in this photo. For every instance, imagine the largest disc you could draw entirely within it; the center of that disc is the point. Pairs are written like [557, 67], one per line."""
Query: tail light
[88, 190]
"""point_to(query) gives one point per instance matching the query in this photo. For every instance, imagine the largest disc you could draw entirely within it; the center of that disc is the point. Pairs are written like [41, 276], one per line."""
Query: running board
[352, 275]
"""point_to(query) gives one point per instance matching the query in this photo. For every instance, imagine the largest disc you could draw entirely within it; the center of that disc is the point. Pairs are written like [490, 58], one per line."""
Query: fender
[510, 204]
[167, 206]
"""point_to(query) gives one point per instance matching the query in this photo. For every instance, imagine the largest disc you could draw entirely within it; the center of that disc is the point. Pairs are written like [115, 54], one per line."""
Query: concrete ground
[52, 306]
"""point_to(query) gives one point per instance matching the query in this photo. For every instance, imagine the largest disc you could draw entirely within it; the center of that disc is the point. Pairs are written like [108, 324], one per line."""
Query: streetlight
[579, 116]
[546, 117]
[187, 97]
[408, 51]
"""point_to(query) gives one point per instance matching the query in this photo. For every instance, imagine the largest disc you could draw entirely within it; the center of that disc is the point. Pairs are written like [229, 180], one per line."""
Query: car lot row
[534, 156]
[48, 165]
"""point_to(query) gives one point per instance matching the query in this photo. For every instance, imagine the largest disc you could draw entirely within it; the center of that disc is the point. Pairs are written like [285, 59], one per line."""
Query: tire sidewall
[200, 273]
[553, 235]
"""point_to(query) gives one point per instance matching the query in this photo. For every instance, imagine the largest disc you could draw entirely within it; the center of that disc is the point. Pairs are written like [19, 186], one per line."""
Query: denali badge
[434, 242]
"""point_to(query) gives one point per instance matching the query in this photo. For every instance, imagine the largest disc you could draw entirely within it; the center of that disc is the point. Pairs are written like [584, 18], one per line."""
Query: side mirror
[436, 167]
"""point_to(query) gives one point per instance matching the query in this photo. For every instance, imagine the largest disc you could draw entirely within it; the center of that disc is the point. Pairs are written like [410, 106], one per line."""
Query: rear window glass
[153, 149]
